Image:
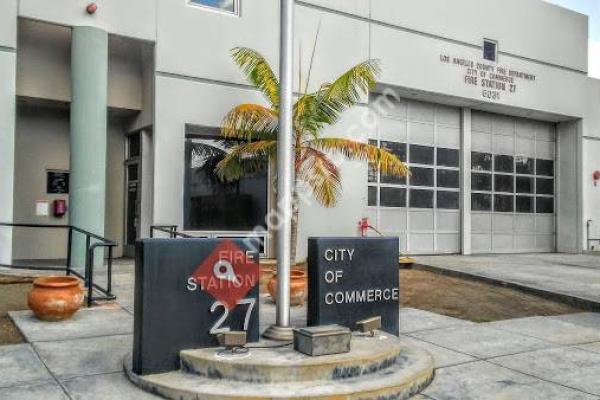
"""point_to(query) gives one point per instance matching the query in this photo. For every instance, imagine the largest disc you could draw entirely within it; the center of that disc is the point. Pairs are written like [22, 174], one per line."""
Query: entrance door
[133, 185]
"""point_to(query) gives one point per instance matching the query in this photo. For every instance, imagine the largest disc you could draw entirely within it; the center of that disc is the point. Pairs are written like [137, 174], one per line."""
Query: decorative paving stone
[550, 329]
[19, 365]
[88, 322]
[484, 381]
[441, 357]
[568, 366]
[481, 341]
[45, 391]
[105, 387]
[80, 357]
[414, 320]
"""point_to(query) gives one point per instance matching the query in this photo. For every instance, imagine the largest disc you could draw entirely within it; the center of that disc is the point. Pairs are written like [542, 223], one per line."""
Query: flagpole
[282, 329]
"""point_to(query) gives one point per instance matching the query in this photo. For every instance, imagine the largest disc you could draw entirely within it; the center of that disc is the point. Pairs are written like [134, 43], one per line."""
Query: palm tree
[255, 127]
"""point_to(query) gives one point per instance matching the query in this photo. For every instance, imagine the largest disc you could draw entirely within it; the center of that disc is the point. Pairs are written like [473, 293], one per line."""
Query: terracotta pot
[55, 298]
[298, 287]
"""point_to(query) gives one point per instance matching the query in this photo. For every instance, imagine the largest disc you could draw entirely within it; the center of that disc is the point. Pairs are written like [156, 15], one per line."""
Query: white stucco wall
[42, 143]
[8, 42]
[132, 18]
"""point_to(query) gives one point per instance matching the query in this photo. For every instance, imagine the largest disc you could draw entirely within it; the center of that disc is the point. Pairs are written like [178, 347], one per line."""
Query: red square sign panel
[227, 274]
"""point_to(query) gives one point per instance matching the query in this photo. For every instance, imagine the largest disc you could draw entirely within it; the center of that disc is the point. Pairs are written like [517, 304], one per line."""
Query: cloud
[594, 59]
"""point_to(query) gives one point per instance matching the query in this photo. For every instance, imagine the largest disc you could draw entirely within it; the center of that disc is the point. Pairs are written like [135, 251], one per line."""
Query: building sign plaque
[187, 291]
[351, 279]
[495, 81]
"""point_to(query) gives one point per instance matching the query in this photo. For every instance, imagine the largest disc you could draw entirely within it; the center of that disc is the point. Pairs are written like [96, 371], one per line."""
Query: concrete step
[369, 355]
[412, 371]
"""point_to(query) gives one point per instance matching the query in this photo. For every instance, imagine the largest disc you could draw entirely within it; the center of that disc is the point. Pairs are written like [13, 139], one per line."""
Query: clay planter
[55, 298]
[298, 287]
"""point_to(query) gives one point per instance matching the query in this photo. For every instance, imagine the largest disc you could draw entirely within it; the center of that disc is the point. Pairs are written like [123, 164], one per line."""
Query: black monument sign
[351, 279]
[186, 291]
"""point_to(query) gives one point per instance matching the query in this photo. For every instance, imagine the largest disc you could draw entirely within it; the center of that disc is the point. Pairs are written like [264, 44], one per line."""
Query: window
[503, 183]
[481, 182]
[393, 197]
[490, 50]
[481, 202]
[503, 203]
[213, 205]
[481, 161]
[433, 183]
[230, 6]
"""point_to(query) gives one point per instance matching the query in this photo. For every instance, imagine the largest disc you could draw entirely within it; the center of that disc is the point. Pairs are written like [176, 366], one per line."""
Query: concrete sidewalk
[532, 358]
[568, 277]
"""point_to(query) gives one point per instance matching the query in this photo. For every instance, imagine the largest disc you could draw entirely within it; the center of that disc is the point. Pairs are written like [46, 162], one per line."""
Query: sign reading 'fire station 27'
[187, 290]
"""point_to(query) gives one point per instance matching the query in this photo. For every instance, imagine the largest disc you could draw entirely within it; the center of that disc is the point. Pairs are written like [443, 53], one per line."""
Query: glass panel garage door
[423, 210]
[513, 185]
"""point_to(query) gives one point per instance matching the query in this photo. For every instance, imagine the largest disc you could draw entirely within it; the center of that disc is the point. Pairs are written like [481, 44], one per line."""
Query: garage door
[512, 184]
[423, 210]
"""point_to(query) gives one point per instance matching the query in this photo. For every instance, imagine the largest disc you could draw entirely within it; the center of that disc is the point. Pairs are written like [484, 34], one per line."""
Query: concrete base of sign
[377, 367]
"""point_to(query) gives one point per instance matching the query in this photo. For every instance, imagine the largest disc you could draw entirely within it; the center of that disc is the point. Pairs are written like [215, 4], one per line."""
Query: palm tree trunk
[294, 235]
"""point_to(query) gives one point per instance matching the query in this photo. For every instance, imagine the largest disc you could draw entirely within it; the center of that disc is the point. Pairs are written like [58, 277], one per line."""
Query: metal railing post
[109, 270]
[69, 248]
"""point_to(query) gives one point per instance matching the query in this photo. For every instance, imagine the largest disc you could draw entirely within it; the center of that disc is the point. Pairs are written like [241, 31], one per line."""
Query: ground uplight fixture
[369, 325]
[233, 341]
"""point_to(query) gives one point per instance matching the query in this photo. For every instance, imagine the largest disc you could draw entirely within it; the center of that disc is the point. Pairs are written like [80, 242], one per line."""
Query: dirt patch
[13, 297]
[472, 300]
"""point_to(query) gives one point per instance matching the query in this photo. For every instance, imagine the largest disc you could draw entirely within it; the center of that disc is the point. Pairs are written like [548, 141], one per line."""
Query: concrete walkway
[532, 358]
[574, 277]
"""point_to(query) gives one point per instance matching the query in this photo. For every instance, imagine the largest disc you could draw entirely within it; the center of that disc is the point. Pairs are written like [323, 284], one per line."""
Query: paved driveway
[571, 275]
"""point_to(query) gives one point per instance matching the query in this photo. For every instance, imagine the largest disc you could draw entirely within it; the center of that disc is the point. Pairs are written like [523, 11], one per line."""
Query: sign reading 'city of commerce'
[351, 279]
[495, 81]
[187, 291]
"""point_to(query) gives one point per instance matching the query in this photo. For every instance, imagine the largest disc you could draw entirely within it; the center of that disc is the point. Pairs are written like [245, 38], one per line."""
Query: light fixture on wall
[91, 8]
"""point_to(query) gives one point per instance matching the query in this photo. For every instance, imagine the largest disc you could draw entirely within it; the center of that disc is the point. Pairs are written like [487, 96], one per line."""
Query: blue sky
[592, 9]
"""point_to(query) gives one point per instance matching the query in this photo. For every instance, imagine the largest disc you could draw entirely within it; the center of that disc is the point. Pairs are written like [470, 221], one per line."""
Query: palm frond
[388, 163]
[258, 72]
[322, 176]
[326, 105]
[250, 122]
[245, 159]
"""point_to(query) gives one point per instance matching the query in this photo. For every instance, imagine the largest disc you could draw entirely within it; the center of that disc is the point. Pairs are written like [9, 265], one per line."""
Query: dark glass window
[421, 198]
[481, 181]
[544, 186]
[397, 149]
[490, 52]
[544, 167]
[448, 157]
[525, 165]
[504, 163]
[132, 172]
[225, 5]
[421, 176]
[503, 203]
[134, 146]
[372, 196]
[544, 205]
[421, 154]
[524, 204]
[392, 197]
[448, 200]
[481, 161]
[481, 202]
[503, 183]
[211, 204]
[392, 179]
[448, 178]
[524, 184]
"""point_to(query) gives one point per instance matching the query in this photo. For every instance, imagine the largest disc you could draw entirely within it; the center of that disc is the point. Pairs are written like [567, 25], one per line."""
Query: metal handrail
[171, 230]
[90, 248]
